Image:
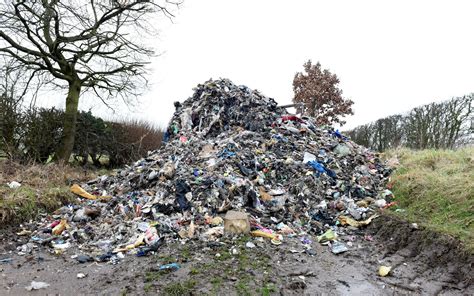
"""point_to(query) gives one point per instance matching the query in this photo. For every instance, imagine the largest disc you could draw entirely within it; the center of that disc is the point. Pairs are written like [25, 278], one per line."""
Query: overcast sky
[390, 56]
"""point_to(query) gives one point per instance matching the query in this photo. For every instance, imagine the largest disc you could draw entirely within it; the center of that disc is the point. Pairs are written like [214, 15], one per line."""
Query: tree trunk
[69, 127]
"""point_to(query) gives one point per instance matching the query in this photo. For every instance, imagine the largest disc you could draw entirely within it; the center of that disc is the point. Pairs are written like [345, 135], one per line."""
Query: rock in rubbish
[236, 223]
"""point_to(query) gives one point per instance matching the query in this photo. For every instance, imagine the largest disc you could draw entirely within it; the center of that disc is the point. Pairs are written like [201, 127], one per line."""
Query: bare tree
[81, 46]
[318, 90]
[387, 133]
[9, 105]
[15, 83]
[459, 120]
[362, 135]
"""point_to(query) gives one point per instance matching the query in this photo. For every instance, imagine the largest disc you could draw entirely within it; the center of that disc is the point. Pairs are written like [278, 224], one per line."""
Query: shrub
[131, 140]
[35, 134]
[92, 137]
[10, 118]
[41, 133]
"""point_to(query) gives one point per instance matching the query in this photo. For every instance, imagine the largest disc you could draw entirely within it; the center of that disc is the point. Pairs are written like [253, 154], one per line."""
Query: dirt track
[423, 264]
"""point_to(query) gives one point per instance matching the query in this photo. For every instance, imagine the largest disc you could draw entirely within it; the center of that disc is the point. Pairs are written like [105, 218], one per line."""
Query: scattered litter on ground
[384, 270]
[327, 236]
[250, 245]
[14, 185]
[6, 260]
[170, 267]
[37, 286]
[338, 247]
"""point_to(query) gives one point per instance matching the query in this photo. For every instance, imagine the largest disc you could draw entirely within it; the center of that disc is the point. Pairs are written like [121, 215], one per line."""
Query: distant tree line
[33, 135]
[444, 125]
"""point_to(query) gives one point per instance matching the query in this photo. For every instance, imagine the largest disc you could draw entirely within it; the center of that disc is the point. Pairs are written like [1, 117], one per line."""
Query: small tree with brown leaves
[318, 90]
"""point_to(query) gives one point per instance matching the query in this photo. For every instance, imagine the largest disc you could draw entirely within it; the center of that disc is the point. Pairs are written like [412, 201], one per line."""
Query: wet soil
[423, 263]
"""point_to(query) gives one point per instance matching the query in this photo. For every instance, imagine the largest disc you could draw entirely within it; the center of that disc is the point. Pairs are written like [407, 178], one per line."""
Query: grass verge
[44, 188]
[435, 188]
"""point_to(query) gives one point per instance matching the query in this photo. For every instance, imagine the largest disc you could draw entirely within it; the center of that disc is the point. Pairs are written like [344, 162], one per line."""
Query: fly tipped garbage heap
[227, 148]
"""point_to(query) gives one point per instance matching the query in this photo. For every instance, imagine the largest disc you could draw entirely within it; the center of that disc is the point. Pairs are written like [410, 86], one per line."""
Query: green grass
[435, 188]
[222, 271]
[186, 254]
[224, 255]
[180, 288]
[165, 258]
[153, 276]
[268, 289]
[216, 285]
[242, 286]
[27, 202]
[147, 287]
[44, 188]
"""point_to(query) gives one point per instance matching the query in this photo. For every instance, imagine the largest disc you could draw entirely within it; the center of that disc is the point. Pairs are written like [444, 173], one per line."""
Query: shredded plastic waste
[233, 163]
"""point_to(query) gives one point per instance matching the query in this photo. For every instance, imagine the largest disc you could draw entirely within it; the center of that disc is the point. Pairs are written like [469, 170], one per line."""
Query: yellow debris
[264, 234]
[217, 221]
[384, 270]
[58, 229]
[78, 190]
[344, 220]
[137, 243]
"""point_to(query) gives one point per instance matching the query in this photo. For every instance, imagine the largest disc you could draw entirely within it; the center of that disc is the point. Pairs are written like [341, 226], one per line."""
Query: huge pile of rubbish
[233, 162]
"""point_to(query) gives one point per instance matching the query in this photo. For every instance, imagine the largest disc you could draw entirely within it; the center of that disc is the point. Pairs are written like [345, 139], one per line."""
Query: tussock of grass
[44, 188]
[180, 288]
[436, 189]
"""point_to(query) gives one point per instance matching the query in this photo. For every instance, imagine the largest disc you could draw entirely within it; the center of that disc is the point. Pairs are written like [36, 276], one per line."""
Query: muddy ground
[423, 263]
